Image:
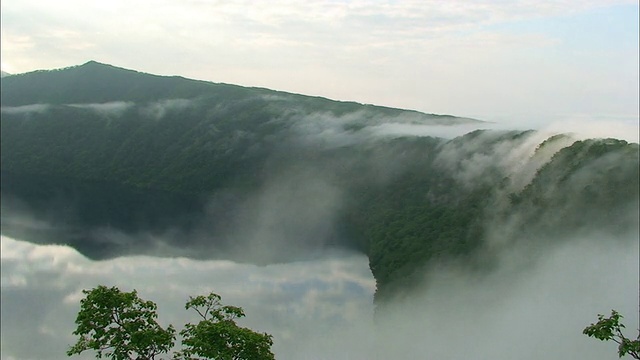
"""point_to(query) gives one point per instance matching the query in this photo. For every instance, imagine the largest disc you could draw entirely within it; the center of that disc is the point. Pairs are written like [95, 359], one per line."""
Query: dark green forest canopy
[94, 150]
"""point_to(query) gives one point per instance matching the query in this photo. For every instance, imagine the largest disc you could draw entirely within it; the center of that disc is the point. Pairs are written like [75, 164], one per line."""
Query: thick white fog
[533, 307]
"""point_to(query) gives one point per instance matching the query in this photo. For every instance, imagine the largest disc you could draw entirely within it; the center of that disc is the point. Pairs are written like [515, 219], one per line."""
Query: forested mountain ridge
[94, 82]
[116, 162]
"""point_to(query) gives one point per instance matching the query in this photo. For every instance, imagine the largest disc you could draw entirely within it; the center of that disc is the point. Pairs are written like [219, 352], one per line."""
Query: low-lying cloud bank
[115, 108]
[298, 303]
[580, 126]
[534, 306]
[531, 307]
[25, 109]
[331, 130]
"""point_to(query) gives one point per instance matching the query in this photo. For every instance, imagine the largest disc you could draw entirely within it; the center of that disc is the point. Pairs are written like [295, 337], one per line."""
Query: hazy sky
[505, 61]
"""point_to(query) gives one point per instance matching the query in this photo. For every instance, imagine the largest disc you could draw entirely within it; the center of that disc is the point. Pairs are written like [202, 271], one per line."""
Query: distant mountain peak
[96, 82]
[93, 63]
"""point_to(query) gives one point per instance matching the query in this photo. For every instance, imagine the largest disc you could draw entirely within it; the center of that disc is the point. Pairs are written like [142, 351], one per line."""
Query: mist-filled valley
[347, 231]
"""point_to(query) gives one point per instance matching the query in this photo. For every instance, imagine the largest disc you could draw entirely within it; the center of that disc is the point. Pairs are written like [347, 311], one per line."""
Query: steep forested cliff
[115, 162]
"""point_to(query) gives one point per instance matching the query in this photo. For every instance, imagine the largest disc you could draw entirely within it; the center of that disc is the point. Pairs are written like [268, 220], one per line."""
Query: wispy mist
[159, 109]
[25, 109]
[114, 108]
[533, 306]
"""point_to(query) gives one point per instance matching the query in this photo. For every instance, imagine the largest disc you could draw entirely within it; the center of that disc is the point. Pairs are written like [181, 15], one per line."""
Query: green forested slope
[115, 162]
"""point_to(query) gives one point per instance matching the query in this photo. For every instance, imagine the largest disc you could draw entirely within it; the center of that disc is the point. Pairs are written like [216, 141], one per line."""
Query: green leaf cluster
[121, 326]
[217, 336]
[610, 328]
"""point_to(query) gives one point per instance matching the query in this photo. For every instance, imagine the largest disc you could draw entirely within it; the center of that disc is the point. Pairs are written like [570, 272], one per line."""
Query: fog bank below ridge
[528, 307]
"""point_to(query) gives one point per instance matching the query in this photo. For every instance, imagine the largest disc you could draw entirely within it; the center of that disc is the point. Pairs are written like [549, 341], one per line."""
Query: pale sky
[505, 61]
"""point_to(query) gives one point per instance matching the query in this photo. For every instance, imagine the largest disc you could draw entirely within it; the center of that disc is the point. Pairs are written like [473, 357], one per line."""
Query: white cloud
[586, 127]
[115, 108]
[25, 109]
[158, 109]
[444, 131]
[294, 302]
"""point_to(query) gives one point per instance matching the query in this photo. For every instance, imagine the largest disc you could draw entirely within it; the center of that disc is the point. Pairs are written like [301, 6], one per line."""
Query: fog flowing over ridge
[345, 230]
